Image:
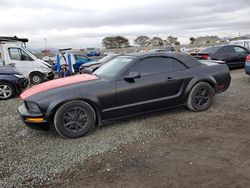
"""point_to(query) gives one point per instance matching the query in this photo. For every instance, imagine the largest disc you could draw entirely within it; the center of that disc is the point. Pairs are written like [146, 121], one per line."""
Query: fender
[201, 78]
[94, 102]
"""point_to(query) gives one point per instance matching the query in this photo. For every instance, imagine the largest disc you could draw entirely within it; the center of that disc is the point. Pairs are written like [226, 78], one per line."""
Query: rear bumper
[247, 68]
[26, 115]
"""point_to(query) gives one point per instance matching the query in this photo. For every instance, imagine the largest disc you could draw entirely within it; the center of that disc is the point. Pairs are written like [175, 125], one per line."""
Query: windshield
[210, 49]
[30, 53]
[113, 67]
[106, 59]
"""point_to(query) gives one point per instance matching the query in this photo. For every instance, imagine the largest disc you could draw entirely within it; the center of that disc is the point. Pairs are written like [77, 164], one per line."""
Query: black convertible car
[125, 86]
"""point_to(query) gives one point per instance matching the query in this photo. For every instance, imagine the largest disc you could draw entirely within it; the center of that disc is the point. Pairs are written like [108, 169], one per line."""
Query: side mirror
[132, 75]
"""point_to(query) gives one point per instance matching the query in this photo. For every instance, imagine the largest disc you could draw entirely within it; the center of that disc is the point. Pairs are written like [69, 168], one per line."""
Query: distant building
[46, 52]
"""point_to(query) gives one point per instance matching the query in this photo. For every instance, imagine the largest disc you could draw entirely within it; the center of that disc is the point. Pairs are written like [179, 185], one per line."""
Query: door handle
[170, 79]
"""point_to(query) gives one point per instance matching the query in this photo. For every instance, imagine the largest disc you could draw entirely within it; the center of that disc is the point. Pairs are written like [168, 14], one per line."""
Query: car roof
[187, 59]
[225, 45]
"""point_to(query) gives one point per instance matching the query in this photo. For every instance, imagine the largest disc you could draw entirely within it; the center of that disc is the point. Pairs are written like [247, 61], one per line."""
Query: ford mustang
[125, 86]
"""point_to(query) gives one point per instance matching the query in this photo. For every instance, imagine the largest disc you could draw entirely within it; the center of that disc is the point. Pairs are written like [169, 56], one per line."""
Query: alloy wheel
[5, 91]
[202, 97]
[75, 119]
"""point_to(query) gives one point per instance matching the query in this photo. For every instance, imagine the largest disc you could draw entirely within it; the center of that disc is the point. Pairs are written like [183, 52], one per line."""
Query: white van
[243, 43]
[13, 51]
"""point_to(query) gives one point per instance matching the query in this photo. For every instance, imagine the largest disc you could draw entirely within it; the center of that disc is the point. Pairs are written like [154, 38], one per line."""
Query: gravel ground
[30, 158]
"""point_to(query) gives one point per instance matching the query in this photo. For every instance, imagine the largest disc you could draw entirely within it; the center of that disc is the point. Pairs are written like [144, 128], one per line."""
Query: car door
[158, 86]
[227, 54]
[22, 61]
[241, 54]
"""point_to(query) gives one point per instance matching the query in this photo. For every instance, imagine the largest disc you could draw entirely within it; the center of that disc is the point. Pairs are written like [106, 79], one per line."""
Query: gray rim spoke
[75, 120]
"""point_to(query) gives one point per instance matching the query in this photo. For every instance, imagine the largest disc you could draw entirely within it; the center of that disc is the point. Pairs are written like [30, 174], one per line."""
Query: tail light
[207, 57]
[248, 58]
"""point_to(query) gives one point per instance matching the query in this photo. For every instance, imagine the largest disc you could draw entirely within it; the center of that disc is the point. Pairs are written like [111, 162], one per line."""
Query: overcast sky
[79, 23]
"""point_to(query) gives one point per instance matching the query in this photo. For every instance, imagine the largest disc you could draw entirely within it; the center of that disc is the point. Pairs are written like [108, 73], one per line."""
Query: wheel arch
[209, 79]
[8, 82]
[34, 72]
[88, 101]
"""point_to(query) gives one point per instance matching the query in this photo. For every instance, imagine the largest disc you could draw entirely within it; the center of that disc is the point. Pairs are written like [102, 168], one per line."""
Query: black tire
[36, 78]
[201, 97]
[74, 119]
[7, 91]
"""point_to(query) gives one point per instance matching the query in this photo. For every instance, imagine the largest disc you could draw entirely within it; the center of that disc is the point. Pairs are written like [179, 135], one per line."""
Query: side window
[19, 55]
[15, 54]
[240, 50]
[156, 65]
[228, 49]
[1, 59]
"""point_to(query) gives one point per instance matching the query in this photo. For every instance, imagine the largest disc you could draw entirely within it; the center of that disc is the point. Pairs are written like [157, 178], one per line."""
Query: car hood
[8, 70]
[44, 64]
[46, 86]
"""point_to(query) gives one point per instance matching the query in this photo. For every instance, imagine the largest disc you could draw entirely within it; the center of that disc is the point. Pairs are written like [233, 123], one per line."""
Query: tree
[192, 39]
[115, 42]
[157, 41]
[142, 41]
[171, 40]
[177, 43]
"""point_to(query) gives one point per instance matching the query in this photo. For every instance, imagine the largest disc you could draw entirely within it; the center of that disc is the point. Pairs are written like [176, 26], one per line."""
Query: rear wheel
[36, 78]
[201, 96]
[7, 91]
[74, 119]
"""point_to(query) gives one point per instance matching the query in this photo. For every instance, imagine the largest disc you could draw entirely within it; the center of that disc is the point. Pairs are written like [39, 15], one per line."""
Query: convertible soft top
[188, 60]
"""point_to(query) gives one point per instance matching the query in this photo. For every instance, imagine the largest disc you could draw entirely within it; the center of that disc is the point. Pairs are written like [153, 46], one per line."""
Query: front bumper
[247, 68]
[34, 121]
[21, 84]
[50, 76]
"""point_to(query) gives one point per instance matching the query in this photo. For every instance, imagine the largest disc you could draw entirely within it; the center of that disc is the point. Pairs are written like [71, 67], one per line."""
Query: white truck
[244, 43]
[13, 51]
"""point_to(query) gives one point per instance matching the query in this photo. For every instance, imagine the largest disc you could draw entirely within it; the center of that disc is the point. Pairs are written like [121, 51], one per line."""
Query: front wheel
[201, 96]
[36, 78]
[74, 119]
[7, 91]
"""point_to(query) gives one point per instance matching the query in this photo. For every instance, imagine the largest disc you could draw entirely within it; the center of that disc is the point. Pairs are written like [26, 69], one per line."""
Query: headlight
[33, 107]
[18, 76]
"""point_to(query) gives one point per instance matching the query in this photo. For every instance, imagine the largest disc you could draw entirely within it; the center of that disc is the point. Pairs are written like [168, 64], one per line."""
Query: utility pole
[45, 40]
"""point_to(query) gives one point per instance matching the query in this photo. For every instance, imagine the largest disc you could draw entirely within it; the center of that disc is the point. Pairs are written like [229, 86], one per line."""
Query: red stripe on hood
[56, 83]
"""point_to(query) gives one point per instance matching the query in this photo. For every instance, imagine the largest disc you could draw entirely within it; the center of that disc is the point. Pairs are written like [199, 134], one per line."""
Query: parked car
[233, 55]
[80, 60]
[90, 67]
[93, 53]
[14, 52]
[125, 86]
[247, 65]
[11, 82]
